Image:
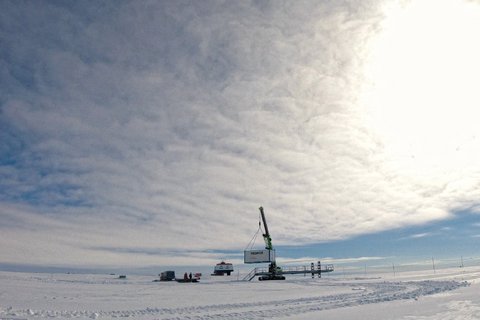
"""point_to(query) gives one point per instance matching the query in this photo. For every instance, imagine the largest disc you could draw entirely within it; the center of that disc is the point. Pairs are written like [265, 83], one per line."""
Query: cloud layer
[132, 131]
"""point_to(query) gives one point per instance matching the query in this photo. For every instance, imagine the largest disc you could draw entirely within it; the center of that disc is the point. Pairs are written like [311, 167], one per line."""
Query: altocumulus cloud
[133, 130]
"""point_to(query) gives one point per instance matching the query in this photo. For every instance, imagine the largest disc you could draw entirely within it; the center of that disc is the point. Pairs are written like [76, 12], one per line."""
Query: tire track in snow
[363, 293]
[372, 293]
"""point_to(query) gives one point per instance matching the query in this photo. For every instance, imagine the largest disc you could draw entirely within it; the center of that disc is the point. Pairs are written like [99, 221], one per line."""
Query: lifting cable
[252, 242]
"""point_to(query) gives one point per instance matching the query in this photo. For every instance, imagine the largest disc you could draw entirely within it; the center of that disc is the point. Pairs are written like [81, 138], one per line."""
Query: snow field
[79, 296]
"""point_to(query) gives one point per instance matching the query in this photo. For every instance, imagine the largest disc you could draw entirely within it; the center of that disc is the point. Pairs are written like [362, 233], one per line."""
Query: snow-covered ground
[447, 294]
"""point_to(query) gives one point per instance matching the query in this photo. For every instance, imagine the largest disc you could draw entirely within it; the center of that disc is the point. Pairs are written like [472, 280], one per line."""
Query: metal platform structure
[264, 273]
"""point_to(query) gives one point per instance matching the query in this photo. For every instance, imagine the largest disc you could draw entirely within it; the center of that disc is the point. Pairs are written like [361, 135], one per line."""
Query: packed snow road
[60, 296]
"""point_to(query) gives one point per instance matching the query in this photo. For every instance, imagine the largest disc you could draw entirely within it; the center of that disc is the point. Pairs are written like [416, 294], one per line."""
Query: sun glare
[423, 73]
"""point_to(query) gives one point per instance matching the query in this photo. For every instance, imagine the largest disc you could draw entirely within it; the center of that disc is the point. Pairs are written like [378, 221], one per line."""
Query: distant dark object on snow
[186, 280]
[167, 276]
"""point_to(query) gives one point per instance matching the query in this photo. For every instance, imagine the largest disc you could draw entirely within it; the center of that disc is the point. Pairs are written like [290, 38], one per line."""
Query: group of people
[187, 277]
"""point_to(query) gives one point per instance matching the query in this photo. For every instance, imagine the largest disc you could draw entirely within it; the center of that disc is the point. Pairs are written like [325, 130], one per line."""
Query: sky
[144, 133]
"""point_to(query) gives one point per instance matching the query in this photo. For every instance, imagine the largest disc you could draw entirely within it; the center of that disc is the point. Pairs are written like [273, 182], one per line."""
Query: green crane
[273, 270]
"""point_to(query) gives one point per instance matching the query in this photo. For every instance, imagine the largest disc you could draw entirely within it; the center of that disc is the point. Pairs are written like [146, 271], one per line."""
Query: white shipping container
[258, 256]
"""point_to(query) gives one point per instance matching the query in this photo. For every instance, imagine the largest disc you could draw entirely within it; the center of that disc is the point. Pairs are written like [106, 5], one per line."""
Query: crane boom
[266, 235]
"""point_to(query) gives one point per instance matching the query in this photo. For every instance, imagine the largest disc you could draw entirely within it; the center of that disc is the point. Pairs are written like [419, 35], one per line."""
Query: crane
[268, 255]
[274, 272]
